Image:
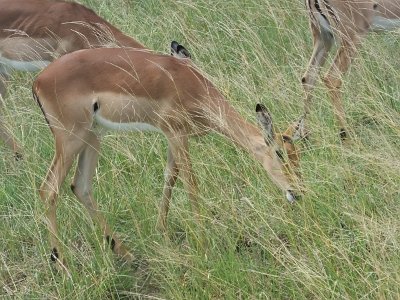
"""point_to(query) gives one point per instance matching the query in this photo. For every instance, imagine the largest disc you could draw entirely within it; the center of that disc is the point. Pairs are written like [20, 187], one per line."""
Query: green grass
[340, 241]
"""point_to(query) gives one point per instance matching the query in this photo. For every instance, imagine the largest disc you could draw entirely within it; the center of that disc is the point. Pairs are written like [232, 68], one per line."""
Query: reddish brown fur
[41, 30]
[126, 86]
[352, 20]
[60, 22]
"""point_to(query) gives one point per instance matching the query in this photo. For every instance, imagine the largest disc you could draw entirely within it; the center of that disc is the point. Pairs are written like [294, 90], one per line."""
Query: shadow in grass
[135, 281]
[106, 277]
[10, 283]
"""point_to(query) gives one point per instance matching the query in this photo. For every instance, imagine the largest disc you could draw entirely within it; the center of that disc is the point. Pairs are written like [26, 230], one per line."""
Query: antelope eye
[280, 154]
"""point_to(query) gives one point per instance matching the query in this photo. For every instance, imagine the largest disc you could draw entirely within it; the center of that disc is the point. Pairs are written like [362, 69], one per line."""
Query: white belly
[8, 65]
[134, 126]
[380, 23]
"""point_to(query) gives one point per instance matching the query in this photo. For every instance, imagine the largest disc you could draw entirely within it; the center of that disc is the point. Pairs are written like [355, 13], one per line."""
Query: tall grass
[340, 241]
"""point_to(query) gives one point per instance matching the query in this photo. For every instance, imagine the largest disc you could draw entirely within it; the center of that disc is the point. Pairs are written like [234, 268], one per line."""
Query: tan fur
[126, 86]
[41, 30]
[349, 22]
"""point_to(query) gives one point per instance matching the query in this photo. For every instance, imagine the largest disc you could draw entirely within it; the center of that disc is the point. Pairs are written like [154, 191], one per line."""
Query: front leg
[179, 147]
[180, 151]
[322, 44]
[171, 174]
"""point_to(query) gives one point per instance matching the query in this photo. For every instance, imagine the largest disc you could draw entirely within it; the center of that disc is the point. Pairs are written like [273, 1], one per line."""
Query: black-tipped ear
[174, 47]
[260, 107]
[179, 51]
[264, 117]
[182, 52]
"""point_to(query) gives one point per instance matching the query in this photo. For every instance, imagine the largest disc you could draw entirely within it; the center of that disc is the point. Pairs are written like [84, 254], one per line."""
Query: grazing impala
[127, 89]
[35, 32]
[346, 22]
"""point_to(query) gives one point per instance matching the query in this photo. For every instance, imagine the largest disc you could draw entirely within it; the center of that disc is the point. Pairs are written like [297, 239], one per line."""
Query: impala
[128, 89]
[35, 32]
[345, 22]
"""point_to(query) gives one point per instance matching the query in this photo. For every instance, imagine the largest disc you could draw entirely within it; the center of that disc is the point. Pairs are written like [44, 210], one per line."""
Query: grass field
[341, 241]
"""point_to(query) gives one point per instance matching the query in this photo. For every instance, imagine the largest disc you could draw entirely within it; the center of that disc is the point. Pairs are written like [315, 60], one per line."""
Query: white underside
[8, 65]
[324, 23]
[380, 23]
[134, 126]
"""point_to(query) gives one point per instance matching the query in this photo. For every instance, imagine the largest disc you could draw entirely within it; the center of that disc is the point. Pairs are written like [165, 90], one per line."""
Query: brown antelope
[345, 22]
[35, 32]
[128, 89]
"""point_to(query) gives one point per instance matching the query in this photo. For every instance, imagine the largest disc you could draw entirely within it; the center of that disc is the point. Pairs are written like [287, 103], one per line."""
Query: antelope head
[283, 143]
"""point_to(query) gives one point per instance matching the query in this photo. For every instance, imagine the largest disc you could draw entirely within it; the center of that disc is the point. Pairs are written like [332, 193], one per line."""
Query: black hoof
[18, 156]
[111, 242]
[343, 134]
[292, 196]
[243, 242]
[54, 255]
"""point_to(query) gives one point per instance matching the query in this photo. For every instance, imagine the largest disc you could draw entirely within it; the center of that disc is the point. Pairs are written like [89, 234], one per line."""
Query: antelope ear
[297, 130]
[179, 51]
[183, 52]
[265, 120]
[174, 47]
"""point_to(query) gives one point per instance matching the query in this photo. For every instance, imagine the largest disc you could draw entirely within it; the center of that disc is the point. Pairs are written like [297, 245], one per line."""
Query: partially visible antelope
[35, 32]
[345, 22]
[126, 89]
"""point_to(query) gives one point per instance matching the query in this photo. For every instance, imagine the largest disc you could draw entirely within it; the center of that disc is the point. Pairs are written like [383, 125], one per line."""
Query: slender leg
[50, 188]
[322, 44]
[333, 80]
[171, 174]
[5, 135]
[82, 188]
[180, 151]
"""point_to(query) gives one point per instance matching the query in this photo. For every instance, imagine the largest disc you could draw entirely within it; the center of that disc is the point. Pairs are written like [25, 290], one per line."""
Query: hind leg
[62, 162]
[82, 188]
[333, 81]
